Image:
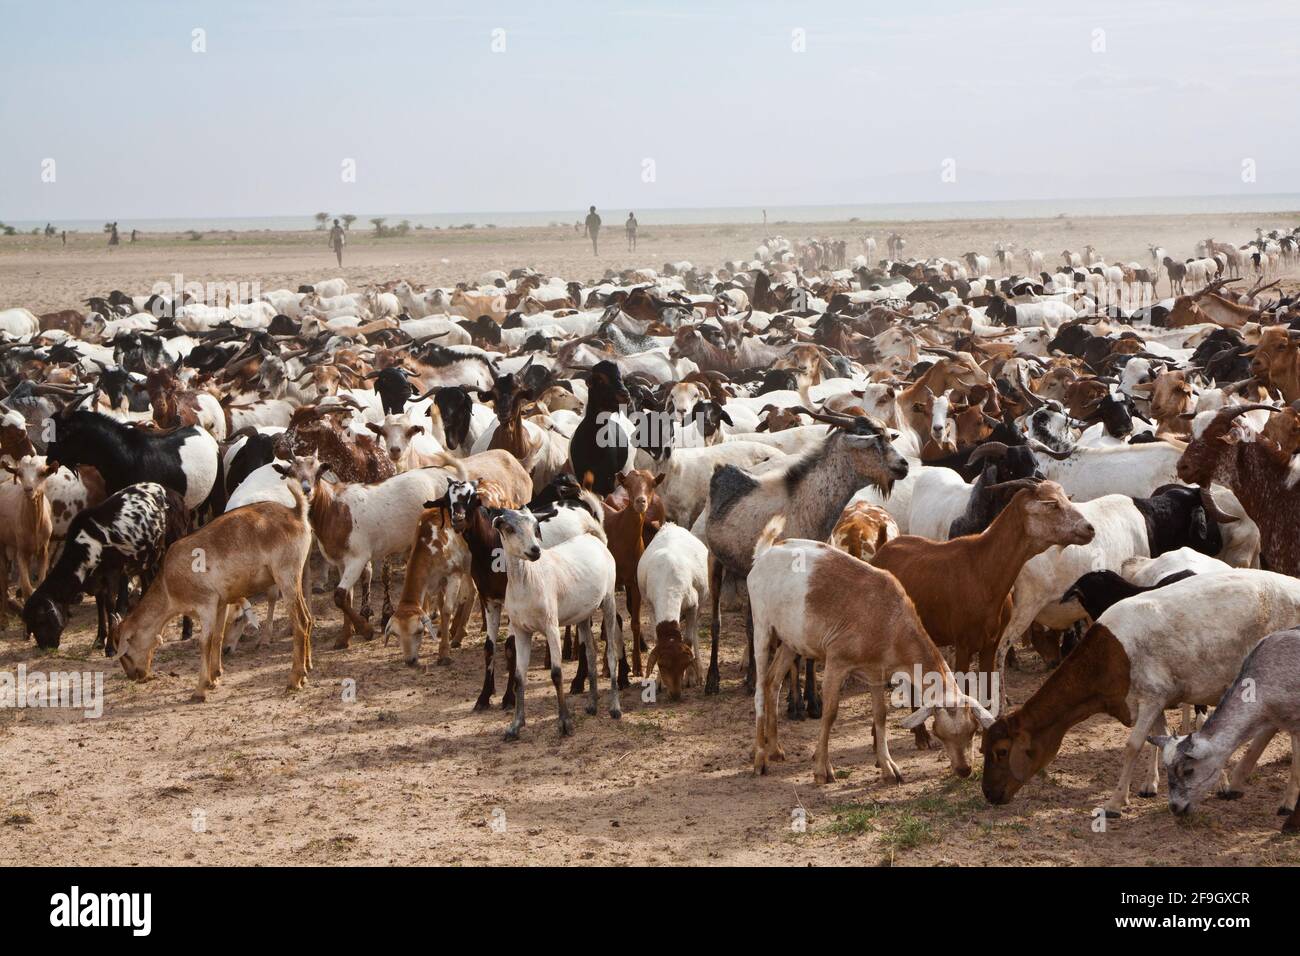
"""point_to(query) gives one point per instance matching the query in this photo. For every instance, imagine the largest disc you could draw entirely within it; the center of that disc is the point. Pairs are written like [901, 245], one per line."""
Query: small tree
[321, 219]
[348, 220]
[378, 223]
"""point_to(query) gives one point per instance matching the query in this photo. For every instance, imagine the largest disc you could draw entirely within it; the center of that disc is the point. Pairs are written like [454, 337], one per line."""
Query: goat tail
[770, 535]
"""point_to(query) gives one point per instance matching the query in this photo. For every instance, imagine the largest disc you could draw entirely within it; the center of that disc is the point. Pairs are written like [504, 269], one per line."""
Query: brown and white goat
[811, 600]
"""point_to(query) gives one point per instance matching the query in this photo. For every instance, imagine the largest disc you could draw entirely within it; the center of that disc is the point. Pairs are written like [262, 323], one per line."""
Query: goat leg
[520, 647]
[492, 622]
[812, 698]
[580, 678]
[566, 648]
[716, 576]
[750, 677]
[585, 648]
[512, 681]
[794, 705]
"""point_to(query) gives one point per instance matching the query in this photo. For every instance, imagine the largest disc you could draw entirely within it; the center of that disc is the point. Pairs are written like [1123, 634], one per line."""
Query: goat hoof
[512, 734]
[1146, 794]
[1236, 795]
[1112, 814]
[198, 697]
[227, 651]
[711, 683]
[444, 662]
[484, 702]
[815, 710]
[1285, 811]
[615, 714]
[591, 710]
[776, 755]
[342, 644]
[577, 686]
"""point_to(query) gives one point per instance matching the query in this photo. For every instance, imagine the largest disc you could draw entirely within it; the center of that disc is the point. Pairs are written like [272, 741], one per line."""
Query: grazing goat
[1179, 644]
[673, 577]
[1263, 700]
[812, 600]
[123, 536]
[236, 555]
[553, 588]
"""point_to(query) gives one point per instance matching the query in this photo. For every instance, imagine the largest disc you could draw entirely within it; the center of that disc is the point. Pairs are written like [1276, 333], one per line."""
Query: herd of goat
[871, 460]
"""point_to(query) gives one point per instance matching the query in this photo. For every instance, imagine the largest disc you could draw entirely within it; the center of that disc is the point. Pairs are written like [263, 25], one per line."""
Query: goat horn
[990, 449]
[1014, 483]
[1039, 447]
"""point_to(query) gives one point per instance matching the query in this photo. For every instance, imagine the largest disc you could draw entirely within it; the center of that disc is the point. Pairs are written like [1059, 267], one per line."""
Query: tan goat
[26, 524]
[242, 553]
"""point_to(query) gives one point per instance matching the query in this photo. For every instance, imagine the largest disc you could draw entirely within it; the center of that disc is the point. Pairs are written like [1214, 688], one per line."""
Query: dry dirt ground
[407, 773]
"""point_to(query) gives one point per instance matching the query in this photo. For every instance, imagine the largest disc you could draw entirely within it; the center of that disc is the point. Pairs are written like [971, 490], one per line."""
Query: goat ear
[917, 718]
[374, 428]
[659, 479]
[722, 413]
[1159, 740]
[282, 469]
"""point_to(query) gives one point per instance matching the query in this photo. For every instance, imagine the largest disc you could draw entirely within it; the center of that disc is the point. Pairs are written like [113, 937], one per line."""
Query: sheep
[1263, 700]
[857, 620]
[1180, 644]
[237, 555]
[553, 588]
[673, 577]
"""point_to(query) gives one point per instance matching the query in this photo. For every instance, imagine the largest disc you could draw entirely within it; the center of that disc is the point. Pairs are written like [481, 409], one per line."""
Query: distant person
[65, 237]
[133, 235]
[630, 225]
[593, 229]
[337, 241]
[113, 237]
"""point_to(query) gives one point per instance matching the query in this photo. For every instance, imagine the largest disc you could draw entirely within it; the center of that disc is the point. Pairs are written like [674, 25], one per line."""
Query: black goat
[601, 448]
[186, 460]
[1178, 516]
[1097, 591]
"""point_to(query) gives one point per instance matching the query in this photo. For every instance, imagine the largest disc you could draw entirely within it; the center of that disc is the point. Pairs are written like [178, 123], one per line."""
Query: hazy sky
[583, 94]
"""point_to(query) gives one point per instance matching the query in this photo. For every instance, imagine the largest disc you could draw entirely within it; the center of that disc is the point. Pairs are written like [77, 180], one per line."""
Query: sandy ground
[42, 275]
[407, 773]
